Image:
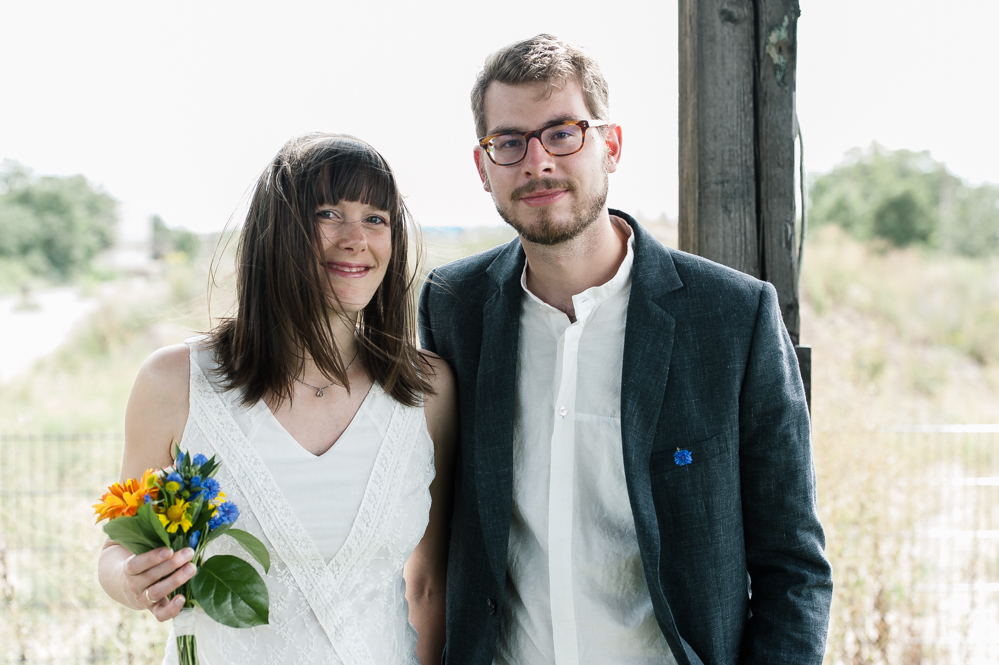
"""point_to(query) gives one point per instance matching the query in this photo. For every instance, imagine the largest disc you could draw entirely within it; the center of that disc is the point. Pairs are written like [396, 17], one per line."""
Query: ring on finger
[146, 594]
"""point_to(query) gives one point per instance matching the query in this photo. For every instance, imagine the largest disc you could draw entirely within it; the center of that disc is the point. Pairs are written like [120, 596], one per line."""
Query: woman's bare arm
[426, 570]
[154, 418]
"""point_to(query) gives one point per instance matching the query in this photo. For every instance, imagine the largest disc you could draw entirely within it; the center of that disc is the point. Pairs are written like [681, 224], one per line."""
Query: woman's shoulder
[440, 376]
[169, 364]
[441, 407]
[157, 407]
[166, 374]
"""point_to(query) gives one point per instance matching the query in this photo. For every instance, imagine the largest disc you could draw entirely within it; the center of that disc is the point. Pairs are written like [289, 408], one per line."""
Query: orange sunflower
[124, 499]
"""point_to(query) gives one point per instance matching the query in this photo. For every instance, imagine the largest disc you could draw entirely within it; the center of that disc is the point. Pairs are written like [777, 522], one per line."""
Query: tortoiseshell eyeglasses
[559, 139]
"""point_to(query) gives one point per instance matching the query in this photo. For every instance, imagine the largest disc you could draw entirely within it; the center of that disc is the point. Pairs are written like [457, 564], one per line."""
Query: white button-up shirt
[575, 589]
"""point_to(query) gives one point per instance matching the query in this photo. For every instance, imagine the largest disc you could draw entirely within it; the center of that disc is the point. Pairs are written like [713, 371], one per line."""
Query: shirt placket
[560, 505]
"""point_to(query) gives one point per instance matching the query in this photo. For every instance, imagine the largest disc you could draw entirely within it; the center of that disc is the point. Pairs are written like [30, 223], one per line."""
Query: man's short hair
[549, 60]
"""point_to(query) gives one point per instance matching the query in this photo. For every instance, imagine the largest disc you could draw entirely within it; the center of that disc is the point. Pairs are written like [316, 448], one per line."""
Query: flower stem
[187, 650]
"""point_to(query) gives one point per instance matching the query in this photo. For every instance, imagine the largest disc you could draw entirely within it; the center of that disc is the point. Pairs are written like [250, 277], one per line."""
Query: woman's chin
[351, 310]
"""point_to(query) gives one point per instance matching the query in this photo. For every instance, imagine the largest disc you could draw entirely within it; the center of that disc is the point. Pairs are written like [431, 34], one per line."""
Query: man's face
[548, 200]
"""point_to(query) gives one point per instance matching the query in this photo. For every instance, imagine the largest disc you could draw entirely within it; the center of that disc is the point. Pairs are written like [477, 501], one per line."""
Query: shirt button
[491, 606]
[562, 411]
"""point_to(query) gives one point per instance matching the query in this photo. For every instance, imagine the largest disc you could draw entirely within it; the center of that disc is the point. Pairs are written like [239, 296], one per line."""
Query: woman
[329, 423]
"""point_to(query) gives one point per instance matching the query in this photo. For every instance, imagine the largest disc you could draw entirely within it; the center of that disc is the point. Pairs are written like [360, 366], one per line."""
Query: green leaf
[150, 517]
[231, 592]
[130, 534]
[216, 532]
[253, 546]
[139, 533]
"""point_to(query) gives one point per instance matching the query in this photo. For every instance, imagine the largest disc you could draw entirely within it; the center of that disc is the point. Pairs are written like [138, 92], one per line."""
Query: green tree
[53, 225]
[167, 239]
[906, 198]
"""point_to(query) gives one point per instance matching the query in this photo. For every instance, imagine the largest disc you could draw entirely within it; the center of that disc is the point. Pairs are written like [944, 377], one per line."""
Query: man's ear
[480, 166]
[613, 141]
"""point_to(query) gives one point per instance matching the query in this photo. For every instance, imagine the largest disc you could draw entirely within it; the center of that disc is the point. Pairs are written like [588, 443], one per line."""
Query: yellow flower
[176, 516]
[124, 499]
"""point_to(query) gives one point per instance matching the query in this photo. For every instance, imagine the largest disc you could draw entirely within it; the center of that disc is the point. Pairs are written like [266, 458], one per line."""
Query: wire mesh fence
[913, 533]
[912, 521]
[53, 610]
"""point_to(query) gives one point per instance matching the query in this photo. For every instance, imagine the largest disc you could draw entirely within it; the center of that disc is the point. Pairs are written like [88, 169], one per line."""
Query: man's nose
[537, 160]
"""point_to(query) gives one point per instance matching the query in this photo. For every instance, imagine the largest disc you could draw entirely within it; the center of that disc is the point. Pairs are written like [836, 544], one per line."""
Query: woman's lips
[348, 270]
[543, 197]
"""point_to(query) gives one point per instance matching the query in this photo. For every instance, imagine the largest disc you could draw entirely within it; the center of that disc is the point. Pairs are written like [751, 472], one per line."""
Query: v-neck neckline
[267, 413]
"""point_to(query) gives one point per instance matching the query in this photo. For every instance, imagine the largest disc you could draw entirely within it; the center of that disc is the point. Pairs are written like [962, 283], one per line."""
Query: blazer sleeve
[424, 326]
[791, 580]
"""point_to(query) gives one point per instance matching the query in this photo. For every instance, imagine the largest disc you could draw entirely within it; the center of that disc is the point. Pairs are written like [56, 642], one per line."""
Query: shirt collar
[585, 302]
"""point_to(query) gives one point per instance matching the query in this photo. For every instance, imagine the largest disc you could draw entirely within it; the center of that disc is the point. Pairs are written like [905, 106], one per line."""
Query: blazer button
[491, 606]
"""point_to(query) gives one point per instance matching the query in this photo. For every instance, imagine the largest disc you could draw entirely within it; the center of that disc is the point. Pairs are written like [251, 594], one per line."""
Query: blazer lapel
[495, 396]
[648, 348]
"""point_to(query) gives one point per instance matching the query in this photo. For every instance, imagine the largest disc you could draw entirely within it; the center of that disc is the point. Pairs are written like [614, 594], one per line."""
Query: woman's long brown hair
[283, 312]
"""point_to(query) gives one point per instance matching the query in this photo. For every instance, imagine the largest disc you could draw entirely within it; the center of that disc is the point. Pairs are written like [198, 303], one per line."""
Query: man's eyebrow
[510, 129]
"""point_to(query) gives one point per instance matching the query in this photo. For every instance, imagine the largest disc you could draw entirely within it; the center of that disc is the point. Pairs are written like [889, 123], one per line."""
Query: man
[635, 480]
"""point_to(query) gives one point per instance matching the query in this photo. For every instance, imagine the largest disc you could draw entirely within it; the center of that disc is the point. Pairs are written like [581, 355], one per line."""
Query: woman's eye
[329, 217]
[376, 220]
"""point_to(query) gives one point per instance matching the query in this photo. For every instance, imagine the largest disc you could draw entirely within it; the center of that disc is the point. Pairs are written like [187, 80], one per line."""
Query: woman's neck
[344, 337]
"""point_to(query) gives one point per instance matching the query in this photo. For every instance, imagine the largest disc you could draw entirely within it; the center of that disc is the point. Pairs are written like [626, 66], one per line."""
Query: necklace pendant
[321, 393]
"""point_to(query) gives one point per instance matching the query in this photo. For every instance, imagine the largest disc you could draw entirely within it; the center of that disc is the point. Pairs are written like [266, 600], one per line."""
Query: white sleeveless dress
[350, 609]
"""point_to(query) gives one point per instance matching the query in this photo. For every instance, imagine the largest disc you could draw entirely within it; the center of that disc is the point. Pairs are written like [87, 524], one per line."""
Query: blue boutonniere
[682, 457]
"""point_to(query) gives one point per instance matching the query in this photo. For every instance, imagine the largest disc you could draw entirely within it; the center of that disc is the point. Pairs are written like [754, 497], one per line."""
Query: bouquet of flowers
[184, 506]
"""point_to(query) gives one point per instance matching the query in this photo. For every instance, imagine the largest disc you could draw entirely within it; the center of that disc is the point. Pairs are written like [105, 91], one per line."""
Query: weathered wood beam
[737, 129]
[776, 45]
[717, 135]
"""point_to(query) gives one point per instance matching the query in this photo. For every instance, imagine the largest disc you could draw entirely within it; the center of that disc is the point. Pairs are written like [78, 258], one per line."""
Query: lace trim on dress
[278, 522]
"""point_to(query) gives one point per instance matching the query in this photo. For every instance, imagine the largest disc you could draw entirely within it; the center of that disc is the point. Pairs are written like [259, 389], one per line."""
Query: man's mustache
[542, 183]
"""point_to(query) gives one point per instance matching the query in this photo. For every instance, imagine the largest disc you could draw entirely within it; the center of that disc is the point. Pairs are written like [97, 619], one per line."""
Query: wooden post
[776, 43]
[737, 129]
[717, 152]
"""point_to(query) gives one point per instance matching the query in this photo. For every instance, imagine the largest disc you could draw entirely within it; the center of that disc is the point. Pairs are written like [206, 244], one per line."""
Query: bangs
[356, 173]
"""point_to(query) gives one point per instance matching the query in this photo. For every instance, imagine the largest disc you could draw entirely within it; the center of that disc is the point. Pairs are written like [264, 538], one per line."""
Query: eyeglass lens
[559, 140]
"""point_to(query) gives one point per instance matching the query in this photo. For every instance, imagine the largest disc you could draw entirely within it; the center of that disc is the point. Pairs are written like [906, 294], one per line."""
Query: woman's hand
[149, 578]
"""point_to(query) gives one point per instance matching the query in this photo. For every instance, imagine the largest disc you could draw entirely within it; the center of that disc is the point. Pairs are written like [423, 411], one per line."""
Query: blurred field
[900, 339]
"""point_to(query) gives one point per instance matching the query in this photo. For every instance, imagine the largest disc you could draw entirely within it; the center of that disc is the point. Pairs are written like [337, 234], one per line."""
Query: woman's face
[356, 243]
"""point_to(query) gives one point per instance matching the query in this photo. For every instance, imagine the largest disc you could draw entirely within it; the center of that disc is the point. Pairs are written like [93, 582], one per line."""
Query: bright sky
[175, 108]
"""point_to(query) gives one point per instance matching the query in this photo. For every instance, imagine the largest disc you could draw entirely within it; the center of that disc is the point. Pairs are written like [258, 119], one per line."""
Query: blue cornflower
[147, 499]
[199, 459]
[229, 512]
[226, 513]
[682, 457]
[193, 540]
[211, 488]
[174, 482]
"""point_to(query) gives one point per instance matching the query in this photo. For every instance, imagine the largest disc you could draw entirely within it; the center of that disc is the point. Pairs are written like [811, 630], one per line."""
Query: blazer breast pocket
[691, 454]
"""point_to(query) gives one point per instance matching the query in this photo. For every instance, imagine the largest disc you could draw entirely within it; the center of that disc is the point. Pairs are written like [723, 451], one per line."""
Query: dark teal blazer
[731, 543]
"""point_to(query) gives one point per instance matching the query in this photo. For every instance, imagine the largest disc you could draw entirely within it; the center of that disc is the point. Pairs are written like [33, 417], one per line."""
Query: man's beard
[545, 230]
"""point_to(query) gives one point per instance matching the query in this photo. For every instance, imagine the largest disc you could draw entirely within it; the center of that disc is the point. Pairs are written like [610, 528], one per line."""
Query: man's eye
[508, 142]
